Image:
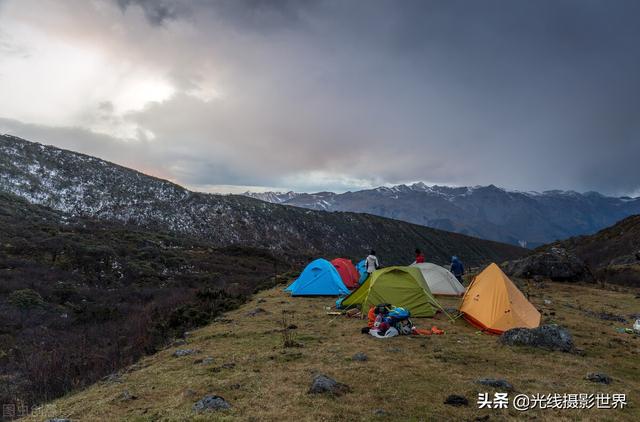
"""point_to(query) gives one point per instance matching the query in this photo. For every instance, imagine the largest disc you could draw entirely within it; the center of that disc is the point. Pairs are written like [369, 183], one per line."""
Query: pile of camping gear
[491, 302]
[387, 321]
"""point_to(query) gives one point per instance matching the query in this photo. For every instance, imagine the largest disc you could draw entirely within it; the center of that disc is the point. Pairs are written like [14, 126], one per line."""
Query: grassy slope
[599, 249]
[409, 382]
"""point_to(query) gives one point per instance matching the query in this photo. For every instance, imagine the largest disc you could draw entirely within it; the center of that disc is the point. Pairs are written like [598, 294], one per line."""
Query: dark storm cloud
[157, 12]
[336, 94]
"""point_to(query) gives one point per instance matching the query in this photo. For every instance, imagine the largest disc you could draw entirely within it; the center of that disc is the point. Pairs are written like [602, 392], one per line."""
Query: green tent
[399, 286]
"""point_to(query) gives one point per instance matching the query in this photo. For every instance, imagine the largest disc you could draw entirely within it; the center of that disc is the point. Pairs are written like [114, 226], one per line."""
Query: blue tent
[362, 269]
[319, 278]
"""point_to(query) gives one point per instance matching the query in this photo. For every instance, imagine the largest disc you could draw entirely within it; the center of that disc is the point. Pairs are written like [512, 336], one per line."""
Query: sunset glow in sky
[332, 95]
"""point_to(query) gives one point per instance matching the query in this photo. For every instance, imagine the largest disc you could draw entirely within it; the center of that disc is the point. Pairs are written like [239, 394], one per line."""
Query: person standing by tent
[457, 269]
[419, 256]
[372, 262]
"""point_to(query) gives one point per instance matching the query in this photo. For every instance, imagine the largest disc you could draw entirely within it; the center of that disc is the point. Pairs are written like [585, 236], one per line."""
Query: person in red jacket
[419, 256]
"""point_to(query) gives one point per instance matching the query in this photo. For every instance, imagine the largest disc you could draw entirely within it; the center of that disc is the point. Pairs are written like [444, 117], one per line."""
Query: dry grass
[407, 377]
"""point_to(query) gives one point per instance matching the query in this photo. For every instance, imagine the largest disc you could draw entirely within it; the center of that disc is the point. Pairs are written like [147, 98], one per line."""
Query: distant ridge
[78, 184]
[488, 212]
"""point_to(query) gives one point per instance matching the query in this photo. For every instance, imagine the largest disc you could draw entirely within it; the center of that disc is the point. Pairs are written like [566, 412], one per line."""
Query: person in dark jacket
[457, 269]
[419, 256]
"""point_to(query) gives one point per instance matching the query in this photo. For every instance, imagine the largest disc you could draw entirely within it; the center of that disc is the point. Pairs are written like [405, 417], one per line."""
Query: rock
[209, 403]
[379, 412]
[184, 352]
[606, 316]
[126, 396]
[257, 311]
[556, 264]
[221, 320]
[323, 384]
[456, 400]
[227, 365]
[598, 377]
[292, 327]
[204, 361]
[360, 357]
[112, 378]
[179, 342]
[496, 383]
[550, 337]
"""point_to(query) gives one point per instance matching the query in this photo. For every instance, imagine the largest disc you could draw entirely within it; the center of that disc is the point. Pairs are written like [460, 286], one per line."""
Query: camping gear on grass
[440, 280]
[494, 304]
[347, 271]
[401, 286]
[319, 278]
[387, 333]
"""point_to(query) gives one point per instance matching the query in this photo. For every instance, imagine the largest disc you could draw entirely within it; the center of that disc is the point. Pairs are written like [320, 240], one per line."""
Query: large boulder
[556, 263]
[550, 337]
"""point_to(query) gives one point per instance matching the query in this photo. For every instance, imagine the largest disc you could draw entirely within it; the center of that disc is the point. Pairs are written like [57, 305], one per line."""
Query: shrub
[25, 299]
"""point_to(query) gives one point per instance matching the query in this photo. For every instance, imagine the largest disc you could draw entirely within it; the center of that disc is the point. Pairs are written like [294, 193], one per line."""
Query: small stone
[379, 412]
[360, 357]
[184, 352]
[323, 384]
[234, 386]
[496, 383]
[256, 311]
[204, 361]
[179, 342]
[209, 403]
[456, 400]
[599, 378]
[112, 378]
[221, 320]
[292, 327]
[126, 396]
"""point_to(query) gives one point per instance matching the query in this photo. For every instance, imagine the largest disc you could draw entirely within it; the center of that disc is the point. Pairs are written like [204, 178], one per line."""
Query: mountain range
[80, 185]
[489, 212]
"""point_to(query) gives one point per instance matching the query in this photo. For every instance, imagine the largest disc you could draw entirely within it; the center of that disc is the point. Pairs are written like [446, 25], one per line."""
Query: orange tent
[494, 304]
[347, 271]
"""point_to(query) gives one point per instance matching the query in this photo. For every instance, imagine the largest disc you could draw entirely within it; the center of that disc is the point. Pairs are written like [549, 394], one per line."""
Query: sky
[235, 95]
